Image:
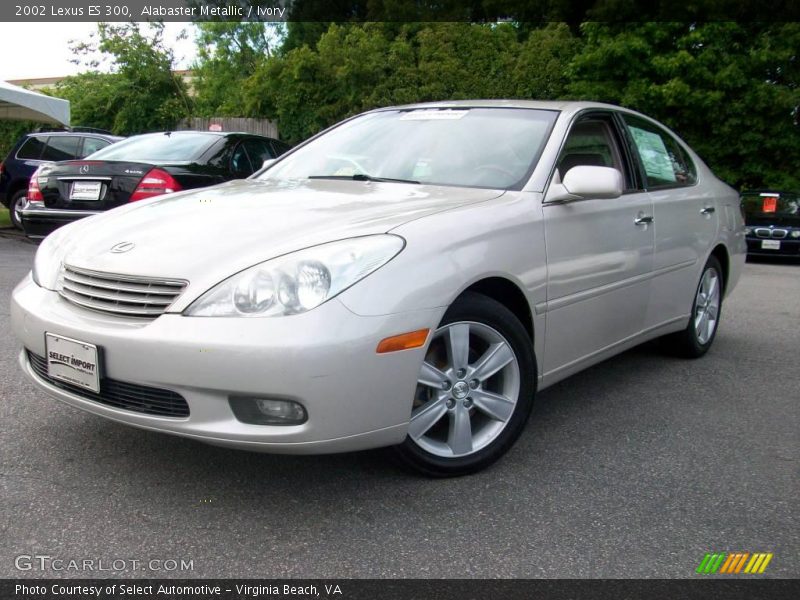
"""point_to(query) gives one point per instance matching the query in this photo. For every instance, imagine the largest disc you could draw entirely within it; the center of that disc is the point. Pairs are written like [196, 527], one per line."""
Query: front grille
[777, 234]
[126, 295]
[119, 394]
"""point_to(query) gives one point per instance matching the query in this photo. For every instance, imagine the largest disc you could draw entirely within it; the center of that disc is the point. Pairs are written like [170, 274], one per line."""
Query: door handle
[643, 220]
[707, 210]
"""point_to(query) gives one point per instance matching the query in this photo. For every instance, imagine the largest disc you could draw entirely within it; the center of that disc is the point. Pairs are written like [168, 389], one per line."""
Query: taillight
[155, 183]
[34, 191]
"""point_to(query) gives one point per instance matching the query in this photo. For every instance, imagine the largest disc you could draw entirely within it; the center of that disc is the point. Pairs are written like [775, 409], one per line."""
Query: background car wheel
[696, 339]
[15, 208]
[474, 393]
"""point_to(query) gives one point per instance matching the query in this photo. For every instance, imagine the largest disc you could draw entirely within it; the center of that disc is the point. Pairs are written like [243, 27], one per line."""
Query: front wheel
[696, 339]
[474, 393]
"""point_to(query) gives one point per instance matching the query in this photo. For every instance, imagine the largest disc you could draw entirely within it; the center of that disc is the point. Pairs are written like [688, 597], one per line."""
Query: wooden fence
[259, 126]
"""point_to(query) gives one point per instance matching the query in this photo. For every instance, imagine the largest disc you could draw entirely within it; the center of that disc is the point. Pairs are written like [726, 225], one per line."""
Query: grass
[5, 220]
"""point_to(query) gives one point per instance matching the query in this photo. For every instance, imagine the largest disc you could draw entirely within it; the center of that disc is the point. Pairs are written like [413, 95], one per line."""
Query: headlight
[796, 233]
[46, 271]
[748, 230]
[297, 282]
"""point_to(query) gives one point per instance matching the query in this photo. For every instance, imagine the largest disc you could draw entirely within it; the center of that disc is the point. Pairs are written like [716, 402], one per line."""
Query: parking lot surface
[634, 468]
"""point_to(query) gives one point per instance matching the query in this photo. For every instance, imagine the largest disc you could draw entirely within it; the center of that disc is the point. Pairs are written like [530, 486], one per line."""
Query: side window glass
[31, 149]
[240, 163]
[589, 143]
[61, 148]
[91, 145]
[258, 151]
[665, 162]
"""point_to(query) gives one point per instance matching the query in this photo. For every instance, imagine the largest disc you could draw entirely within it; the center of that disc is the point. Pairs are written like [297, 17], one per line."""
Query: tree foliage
[140, 94]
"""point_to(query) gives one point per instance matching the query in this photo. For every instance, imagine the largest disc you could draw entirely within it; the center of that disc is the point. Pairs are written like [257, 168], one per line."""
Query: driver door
[599, 255]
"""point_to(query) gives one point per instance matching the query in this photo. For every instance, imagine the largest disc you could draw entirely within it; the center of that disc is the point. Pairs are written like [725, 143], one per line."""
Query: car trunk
[91, 185]
[767, 208]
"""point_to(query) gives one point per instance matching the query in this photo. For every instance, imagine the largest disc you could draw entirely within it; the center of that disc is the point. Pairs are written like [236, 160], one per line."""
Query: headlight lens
[796, 233]
[748, 230]
[297, 282]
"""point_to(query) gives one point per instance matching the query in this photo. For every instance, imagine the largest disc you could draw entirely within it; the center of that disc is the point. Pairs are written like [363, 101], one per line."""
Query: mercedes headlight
[297, 282]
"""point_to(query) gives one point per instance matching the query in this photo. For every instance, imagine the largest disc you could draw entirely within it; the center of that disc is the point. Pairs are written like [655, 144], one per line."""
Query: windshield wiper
[363, 177]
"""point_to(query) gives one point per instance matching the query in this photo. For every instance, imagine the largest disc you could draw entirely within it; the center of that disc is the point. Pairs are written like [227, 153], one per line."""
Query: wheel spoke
[495, 358]
[458, 345]
[713, 310]
[425, 417]
[459, 438]
[702, 331]
[496, 406]
[431, 376]
[712, 287]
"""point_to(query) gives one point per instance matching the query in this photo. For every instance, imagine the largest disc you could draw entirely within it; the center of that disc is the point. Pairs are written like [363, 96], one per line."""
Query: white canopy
[24, 105]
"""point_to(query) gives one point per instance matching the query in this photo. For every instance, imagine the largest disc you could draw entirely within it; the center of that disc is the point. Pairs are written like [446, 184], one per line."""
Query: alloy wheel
[706, 304]
[467, 390]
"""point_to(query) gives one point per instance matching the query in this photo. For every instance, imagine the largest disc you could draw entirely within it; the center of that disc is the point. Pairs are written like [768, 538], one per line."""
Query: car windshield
[764, 204]
[158, 147]
[471, 147]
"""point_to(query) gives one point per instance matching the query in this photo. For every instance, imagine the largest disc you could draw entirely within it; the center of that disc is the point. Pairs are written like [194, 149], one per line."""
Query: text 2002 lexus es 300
[407, 278]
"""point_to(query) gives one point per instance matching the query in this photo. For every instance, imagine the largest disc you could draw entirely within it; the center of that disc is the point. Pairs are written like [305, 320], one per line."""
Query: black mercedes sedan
[140, 167]
[772, 223]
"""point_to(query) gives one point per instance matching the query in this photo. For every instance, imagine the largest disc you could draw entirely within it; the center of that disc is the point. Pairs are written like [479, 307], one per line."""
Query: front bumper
[788, 247]
[325, 359]
[41, 222]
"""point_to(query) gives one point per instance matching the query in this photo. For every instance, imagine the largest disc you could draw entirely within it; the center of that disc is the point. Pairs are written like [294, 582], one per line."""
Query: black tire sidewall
[482, 309]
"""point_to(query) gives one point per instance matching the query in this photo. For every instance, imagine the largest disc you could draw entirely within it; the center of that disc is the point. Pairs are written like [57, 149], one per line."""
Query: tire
[696, 339]
[469, 410]
[14, 206]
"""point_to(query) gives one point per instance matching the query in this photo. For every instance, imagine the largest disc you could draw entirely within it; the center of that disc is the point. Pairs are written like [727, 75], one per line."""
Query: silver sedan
[410, 278]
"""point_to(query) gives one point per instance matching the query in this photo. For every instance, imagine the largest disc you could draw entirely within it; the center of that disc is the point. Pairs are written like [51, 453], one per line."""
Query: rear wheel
[15, 207]
[474, 393]
[696, 339]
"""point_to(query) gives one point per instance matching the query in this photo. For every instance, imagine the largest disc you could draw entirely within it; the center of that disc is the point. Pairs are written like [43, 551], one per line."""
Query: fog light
[268, 411]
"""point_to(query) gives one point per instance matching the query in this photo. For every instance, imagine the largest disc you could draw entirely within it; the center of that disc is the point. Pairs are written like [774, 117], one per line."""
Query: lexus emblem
[84, 169]
[122, 247]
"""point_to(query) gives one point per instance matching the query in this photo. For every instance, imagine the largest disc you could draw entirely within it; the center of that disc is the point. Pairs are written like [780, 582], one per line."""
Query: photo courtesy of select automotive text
[399, 300]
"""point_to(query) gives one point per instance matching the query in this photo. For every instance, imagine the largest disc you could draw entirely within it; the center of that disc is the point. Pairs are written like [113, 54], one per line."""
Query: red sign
[770, 204]
[215, 127]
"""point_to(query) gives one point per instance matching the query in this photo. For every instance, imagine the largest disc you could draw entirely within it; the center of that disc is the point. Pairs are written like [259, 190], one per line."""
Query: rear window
[159, 147]
[63, 147]
[32, 148]
[764, 204]
[91, 145]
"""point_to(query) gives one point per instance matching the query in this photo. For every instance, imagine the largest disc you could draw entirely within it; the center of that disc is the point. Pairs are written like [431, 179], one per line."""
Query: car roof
[107, 136]
[559, 105]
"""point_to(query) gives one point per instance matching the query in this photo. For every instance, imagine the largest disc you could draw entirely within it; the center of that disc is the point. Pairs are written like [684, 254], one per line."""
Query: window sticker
[770, 204]
[433, 115]
[654, 154]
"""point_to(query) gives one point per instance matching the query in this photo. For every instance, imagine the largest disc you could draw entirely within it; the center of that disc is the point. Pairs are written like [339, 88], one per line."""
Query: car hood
[206, 235]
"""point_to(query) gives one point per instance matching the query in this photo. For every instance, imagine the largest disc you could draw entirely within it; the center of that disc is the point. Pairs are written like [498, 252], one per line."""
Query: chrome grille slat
[120, 285]
[125, 295]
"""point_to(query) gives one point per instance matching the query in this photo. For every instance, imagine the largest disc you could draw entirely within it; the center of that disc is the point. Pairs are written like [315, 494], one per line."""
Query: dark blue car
[772, 221]
[35, 148]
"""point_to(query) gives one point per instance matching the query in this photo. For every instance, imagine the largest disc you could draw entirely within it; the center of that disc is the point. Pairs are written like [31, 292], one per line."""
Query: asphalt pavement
[634, 468]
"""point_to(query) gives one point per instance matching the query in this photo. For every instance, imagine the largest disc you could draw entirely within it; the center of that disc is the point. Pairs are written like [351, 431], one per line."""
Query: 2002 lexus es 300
[407, 278]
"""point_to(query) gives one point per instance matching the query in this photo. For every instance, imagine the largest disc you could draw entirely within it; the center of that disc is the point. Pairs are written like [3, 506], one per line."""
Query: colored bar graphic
[733, 562]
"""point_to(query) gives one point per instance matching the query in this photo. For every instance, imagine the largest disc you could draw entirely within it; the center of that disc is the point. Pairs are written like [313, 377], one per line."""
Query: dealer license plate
[770, 245]
[72, 361]
[85, 190]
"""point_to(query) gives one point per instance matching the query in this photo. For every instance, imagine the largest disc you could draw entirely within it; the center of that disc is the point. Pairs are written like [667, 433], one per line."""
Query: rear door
[685, 217]
[599, 258]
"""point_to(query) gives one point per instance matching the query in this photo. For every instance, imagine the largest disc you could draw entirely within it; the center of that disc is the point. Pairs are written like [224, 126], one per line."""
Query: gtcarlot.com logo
[44, 562]
[734, 563]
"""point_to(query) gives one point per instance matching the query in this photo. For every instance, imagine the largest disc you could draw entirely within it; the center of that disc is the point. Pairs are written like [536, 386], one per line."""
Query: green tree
[140, 94]
[227, 54]
[730, 90]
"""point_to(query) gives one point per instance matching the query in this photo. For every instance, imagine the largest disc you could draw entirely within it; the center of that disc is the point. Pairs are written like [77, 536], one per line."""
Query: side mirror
[584, 182]
[267, 163]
